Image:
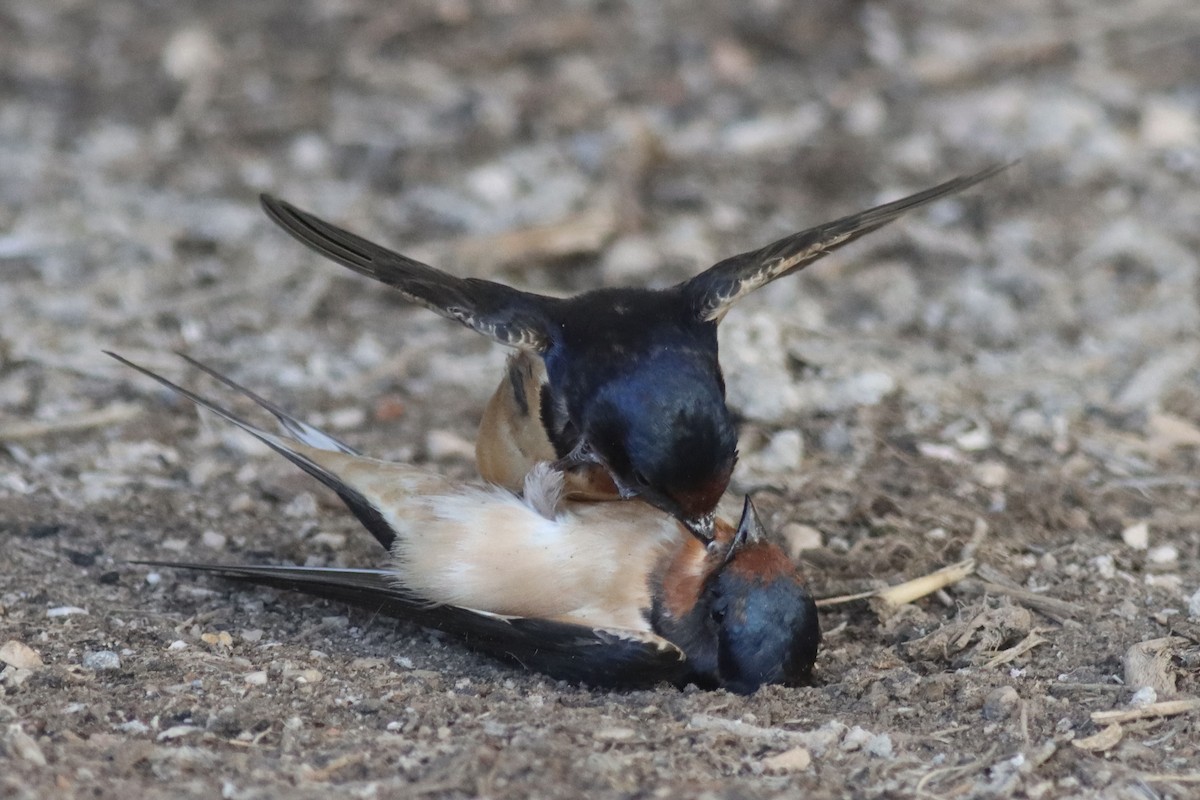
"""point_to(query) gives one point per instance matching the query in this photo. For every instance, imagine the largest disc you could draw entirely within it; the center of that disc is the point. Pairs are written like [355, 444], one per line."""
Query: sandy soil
[1013, 375]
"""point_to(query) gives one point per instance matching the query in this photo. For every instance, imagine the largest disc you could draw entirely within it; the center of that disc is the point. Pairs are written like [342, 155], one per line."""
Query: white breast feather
[487, 549]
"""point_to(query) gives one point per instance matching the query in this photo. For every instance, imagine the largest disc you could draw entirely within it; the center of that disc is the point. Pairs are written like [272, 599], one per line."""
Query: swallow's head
[741, 614]
[666, 436]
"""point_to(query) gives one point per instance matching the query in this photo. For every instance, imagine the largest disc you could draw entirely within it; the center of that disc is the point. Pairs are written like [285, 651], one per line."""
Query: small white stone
[855, 739]
[309, 152]
[974, 439]
[241, 503]
[800, 537]
[1105, 566]
[797, 759]
[256, 678]
[880, 746]
[1163, 554]
[101, 660]
[343, 419]
[65, 611]
[334, 541]
[190, 54]
[615, 734]
[783, 453]
[1143, 697]
[1194, 605]
[629, 258]
[302, 505]
[1137, 536]
[1167, 123]
[24, 746]
[213, 540]
[178, 731]
[178, 644]
[991, 474]
[19, 655]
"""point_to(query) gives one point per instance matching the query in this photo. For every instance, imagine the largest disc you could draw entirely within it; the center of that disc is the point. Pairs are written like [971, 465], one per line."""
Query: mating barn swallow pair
[613, 393]
[632, 400]
[611, 594]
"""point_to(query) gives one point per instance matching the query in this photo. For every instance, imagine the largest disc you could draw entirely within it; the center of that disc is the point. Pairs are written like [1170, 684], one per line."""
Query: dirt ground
[1013, 375]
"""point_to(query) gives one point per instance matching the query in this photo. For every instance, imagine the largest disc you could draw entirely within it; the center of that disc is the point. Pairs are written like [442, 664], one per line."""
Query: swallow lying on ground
[633, 383]
[610, 594]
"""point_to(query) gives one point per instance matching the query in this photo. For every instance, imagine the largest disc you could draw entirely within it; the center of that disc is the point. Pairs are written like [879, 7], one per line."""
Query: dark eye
[639, 478]
[717, 614]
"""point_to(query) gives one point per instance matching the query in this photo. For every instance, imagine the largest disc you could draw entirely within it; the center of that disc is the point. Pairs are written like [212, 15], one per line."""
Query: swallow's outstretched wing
[613, 658]
[509, 316]
[716, 289]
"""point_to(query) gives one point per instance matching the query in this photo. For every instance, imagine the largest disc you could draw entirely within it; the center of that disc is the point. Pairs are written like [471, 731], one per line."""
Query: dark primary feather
[561, 650]
[717, 288]
[508, 315]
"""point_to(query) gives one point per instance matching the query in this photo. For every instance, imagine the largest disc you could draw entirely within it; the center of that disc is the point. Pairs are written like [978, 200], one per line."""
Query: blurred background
[1023, 357]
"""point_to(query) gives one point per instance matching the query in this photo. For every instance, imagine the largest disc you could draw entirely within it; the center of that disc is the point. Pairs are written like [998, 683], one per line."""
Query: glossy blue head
[662, 429]
[635, 385]
[742, 616]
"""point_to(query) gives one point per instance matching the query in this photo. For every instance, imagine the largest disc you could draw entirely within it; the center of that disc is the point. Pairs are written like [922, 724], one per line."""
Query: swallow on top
[612, 594]
[633, 382]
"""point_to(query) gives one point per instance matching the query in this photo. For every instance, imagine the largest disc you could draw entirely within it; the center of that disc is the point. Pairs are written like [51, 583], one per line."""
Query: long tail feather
[366, 513]
[564, 651]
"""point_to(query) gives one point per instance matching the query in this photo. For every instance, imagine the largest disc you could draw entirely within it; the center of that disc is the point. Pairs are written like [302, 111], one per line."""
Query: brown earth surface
[1012, 375]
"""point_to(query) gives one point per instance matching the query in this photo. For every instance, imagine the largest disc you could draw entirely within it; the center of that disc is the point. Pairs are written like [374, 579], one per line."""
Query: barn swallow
[609, 594]
[633, 382]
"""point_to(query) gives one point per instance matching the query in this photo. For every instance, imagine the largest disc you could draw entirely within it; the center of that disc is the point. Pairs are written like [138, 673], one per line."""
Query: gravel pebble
[101, 660]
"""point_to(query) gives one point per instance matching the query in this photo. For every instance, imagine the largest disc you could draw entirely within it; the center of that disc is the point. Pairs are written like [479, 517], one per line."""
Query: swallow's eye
[717, 614]
[639, 478]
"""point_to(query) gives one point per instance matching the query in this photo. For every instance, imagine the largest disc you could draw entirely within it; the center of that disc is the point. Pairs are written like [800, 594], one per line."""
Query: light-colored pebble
[783, 453]
[1137, 536]
[19, 655]
[65, 611]
[1163, 554]
[24, 746]
[800, 537]
[1000, 703]
[797, 759]
[213, 540]
[301, 506]
[101, 660]
[256, 678]
[334, 541]
[615, 734]
[880, 746]
[343, 419]
[991, 474]
[1147, 695]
